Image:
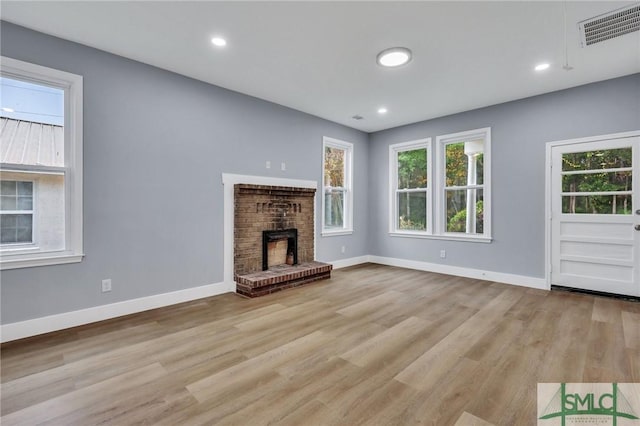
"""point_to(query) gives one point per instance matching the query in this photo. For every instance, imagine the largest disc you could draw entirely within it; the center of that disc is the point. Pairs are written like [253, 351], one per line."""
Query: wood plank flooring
[375, 345]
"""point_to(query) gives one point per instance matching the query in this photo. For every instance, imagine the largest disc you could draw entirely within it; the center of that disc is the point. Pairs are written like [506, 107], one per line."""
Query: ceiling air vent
[357, 117]
[610, 25]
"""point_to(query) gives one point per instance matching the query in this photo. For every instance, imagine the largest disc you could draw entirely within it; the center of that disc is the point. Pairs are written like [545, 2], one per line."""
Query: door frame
[548, 195]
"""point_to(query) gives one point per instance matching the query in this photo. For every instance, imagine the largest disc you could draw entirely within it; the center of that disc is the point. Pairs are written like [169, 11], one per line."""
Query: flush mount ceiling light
[219, 41]
[394, 57]
[5, 109]
[542, 67]
[382, 110]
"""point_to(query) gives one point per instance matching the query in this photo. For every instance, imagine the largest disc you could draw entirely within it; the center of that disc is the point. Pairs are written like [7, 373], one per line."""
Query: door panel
[594, 202]
[596, 249]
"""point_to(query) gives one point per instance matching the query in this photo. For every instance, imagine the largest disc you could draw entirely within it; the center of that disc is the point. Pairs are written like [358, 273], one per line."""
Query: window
[410, 187]
[455, 205]
[597, 182]
[16, 210]
[41, 166]
[337, 199]
[464, 170]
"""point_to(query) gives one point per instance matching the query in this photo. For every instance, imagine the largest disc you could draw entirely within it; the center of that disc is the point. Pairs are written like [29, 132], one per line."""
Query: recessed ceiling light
[382, 110]
[394, 57]
[219, 41]
[542, 67]
[8, 109]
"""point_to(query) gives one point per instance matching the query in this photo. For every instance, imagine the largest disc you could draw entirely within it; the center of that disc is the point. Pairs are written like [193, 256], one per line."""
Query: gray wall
[155, 145]
[519, 131]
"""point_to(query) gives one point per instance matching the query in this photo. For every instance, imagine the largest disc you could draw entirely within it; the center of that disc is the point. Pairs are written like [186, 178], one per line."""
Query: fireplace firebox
[279, 247]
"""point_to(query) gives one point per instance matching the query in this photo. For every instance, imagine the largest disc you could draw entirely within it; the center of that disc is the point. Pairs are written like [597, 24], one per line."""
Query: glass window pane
[25, 203]
[7, 202]
[597, 204]
[33, 109]
[32, 102]
[334, 161]
[412, 211]
[412, 169]
[479, 169]
[464, 159]
[456, 164]
[23, 235]
[597, 182]
[8, 187]
[334, 209]
[462, 203]
[8, 221]
[25, 188]
[16, 228]
[599, 159]
[24, 220]
[478, 195]
[8, 235]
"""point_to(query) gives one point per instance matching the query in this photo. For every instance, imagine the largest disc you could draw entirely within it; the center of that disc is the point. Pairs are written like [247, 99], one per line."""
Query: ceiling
[320, 57]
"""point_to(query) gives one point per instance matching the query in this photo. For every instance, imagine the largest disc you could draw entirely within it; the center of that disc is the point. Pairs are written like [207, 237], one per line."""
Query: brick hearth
[281, 277]
[269, 208]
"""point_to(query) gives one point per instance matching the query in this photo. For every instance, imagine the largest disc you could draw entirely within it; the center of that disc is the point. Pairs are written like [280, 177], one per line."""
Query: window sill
[336, 233]
[442, 237]
[45, 259]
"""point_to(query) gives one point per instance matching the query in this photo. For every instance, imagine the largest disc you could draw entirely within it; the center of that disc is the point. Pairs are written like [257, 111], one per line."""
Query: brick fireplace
[274, 239]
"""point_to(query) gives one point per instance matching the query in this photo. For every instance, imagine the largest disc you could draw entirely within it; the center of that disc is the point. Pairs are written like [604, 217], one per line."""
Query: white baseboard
[343, 263]
[33, 327]
[500, 277]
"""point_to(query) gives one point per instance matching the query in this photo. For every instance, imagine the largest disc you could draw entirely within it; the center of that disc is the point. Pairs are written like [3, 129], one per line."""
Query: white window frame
[394, 150]
[34, 230]
[72, 85]
[347, 147]
[441, 202]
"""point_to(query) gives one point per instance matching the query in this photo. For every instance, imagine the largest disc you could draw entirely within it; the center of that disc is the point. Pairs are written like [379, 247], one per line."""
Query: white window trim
[347, 228]
[440, 202]
[72, 85]
[393, 183]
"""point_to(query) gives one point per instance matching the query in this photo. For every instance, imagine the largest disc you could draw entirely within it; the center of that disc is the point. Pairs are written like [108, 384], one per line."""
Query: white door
[595, 215]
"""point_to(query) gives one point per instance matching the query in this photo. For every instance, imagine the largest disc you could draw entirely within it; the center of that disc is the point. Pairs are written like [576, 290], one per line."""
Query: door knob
[637, 227]
[638, 211]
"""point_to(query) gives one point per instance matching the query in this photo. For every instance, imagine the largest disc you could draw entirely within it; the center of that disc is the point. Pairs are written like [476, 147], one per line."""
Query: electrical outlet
[443, 253]
[283, 166]
[268, 164]
[343, 249]
[106, 285]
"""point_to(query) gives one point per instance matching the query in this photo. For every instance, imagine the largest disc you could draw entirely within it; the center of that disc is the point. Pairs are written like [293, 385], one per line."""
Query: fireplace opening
[279, 248]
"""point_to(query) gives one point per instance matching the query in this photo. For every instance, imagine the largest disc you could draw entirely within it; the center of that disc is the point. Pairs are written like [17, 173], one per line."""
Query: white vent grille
[610, 25]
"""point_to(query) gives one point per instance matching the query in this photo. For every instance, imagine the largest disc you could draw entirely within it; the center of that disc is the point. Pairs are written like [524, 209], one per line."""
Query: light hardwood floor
[374, 345]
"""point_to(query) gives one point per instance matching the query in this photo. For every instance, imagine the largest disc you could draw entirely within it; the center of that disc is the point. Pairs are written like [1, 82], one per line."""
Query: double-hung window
[464, 202]
[454, 202]
[410, 187]
[40, 165]
[337, 196]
